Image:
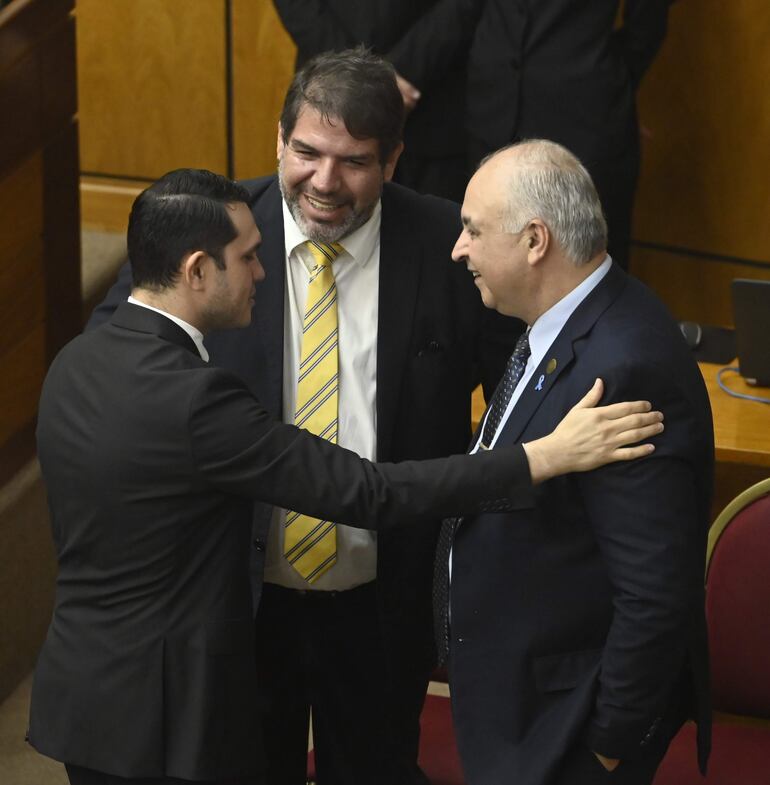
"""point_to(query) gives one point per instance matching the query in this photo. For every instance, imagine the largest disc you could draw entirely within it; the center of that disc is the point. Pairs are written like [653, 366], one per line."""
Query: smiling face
[497, 259]
[232, 295]
[330, 180]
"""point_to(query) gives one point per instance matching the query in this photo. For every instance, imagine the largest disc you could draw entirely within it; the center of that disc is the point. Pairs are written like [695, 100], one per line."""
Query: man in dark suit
[577, 627]
[413, 343]
[152, 458]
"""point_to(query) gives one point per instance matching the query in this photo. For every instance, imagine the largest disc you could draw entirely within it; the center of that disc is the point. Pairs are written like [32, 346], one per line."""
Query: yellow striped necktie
[310, 544]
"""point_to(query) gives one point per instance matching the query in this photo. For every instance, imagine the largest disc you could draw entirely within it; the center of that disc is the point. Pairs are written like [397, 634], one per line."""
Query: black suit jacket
[435, 341]
[582, 618]
[421, 40]
[152, 459]
[561, 70]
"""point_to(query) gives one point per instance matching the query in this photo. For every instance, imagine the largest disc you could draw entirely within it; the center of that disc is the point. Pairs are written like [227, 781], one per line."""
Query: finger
[632, 421]
[592, 397]
[637, 434]
[615, 411]
[630, 453]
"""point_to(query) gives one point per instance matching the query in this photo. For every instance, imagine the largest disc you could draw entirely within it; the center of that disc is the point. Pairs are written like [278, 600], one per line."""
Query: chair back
[738, 604]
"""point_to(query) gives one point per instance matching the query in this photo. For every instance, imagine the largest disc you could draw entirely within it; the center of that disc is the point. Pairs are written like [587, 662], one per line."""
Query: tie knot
[324, 253]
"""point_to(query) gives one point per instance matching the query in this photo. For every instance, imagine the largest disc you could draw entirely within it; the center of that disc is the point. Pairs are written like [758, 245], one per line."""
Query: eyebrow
[468, 222]
[298, 144]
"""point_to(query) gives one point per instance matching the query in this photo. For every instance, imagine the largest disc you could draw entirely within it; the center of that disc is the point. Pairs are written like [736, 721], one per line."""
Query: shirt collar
[548, 326]
[360, 245]
[193, 332]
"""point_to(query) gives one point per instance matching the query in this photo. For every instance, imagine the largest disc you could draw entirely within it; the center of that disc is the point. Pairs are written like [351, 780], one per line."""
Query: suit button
[259, 545]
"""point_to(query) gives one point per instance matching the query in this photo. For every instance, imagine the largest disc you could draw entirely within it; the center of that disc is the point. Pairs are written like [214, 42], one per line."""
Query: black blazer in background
[579, 620]
[152, 459]
[560, 70]
[435, 341]
[417, 36]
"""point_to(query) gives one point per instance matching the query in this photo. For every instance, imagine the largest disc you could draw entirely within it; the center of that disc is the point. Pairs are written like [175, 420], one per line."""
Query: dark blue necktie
[513, 372]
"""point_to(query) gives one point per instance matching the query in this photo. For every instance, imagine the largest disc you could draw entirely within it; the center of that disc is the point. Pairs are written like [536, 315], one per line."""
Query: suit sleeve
[117, 294]
[436, 39]
[313, 27]
[649, 520]
[642, 34]
[237, 448]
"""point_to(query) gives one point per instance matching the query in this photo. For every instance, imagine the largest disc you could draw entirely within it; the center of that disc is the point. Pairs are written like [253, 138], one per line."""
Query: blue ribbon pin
[539, 385]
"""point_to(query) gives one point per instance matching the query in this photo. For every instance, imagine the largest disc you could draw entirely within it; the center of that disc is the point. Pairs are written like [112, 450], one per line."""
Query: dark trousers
[80, 776]
[324, 650]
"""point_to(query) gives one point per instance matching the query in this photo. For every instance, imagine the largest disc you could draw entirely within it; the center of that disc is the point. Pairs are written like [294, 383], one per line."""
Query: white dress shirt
[357, 275]
[193, 332]
[544, 332]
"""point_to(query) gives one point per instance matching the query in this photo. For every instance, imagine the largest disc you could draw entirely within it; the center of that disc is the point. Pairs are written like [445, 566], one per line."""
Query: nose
[460, 251]
[326, 176]
[257, 270]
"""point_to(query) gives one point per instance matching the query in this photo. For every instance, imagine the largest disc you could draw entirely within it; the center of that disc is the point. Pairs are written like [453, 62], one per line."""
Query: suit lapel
[561, 353]
[400, 263]
[268, 313]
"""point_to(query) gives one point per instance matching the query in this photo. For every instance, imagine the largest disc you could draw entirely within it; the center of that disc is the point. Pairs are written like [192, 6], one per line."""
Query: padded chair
[738, 613]
[438, 756]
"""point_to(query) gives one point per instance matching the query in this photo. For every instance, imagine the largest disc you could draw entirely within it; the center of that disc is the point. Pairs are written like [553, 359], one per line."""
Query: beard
[314, 230]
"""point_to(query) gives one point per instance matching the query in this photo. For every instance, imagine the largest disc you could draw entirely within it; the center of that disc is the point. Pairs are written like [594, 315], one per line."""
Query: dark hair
[184, 211]
[354, 85]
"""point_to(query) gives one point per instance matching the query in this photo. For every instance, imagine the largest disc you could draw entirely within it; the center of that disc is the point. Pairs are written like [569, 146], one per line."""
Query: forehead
[329, 136]
[484, 198]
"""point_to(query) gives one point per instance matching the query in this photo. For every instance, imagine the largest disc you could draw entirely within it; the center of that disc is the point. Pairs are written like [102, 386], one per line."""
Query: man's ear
[195, 269]
[389, 166]
[538, 239]
[279, 142]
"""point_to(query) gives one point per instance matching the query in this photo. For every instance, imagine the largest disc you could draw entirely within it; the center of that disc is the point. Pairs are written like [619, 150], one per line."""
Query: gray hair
[550, 183]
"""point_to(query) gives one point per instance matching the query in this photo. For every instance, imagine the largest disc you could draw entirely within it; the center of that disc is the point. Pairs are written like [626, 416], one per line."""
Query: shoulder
[260, 187]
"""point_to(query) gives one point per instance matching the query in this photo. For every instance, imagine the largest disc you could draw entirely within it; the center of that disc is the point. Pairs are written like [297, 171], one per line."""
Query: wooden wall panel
[105, 203]
[22, 289]
[263, 65]
[152, 86]
[704, 183]
[39, 210]
[694, 289]
[24, 367]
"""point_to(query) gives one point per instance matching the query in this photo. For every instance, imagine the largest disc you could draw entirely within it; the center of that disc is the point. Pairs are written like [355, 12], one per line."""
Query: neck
[169, 301]
[563, 278]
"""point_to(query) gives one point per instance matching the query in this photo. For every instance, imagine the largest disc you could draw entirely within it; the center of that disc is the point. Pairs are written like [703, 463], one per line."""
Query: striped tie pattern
[310, 544]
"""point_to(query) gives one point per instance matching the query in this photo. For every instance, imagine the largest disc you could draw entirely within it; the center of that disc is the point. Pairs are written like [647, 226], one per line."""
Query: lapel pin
[551, 367]
[539, 385]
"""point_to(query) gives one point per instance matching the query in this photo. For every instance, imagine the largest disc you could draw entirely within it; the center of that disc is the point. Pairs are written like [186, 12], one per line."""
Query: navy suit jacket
[583, 617]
